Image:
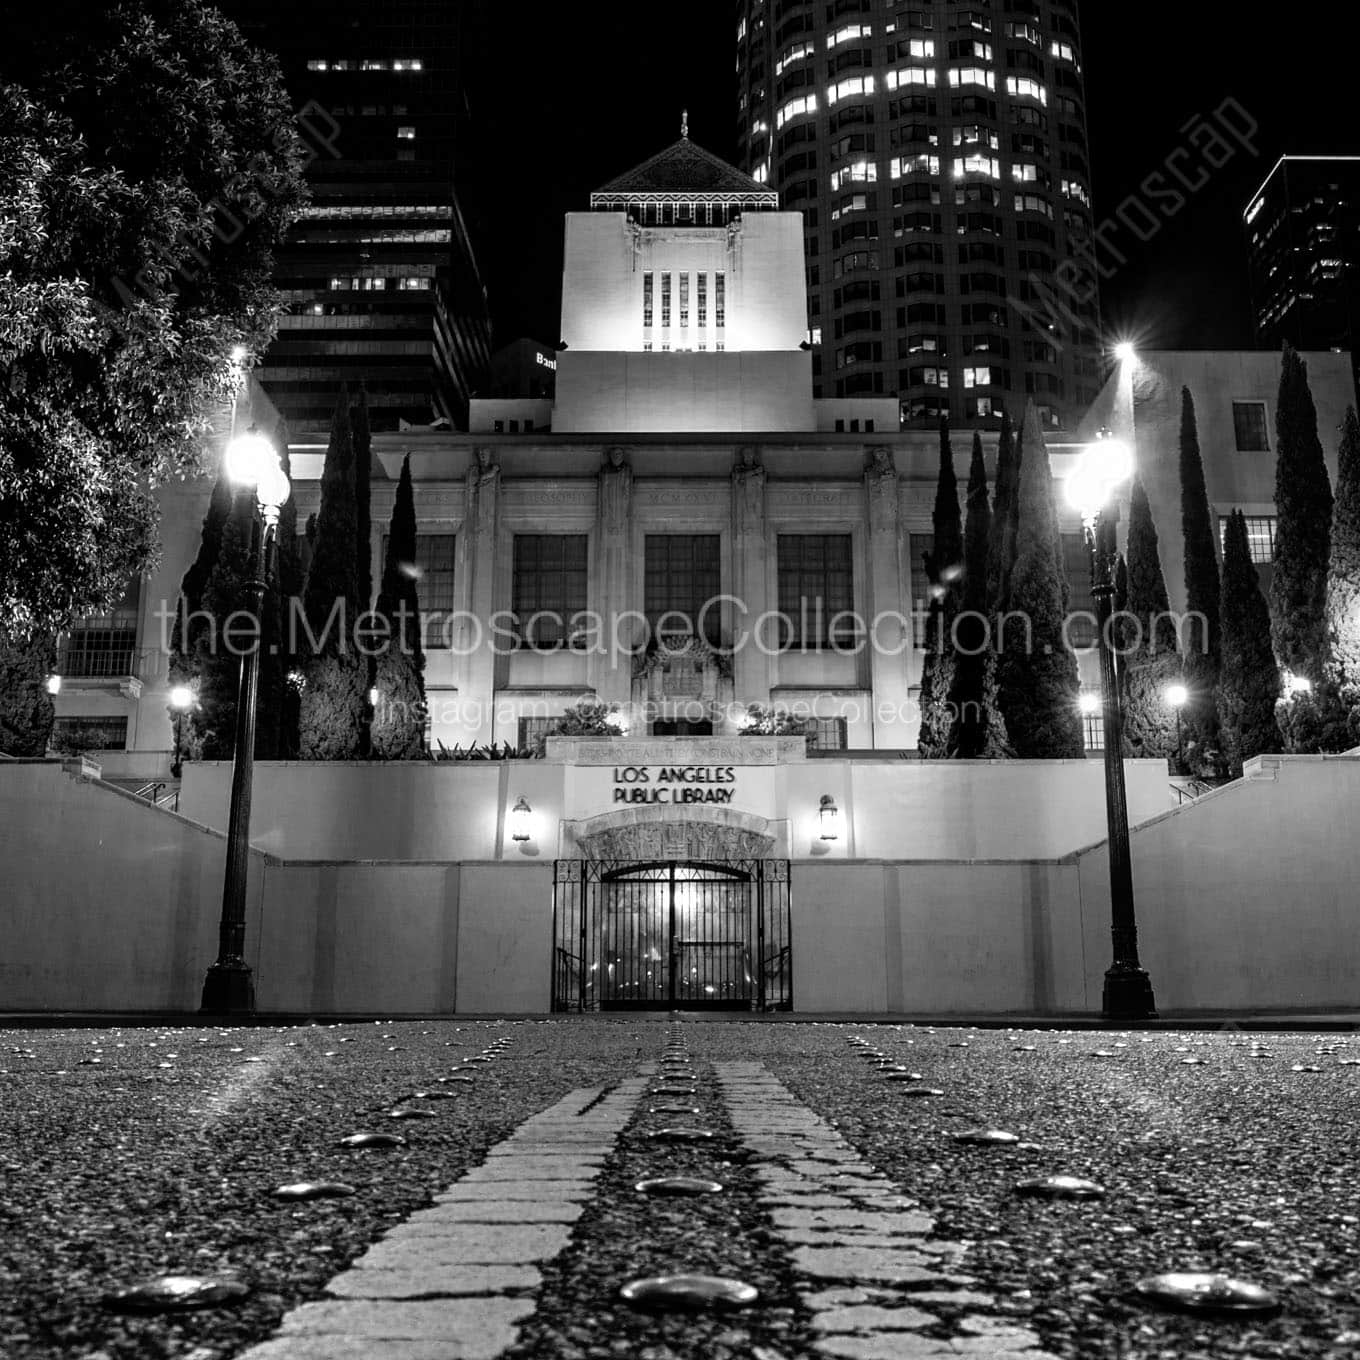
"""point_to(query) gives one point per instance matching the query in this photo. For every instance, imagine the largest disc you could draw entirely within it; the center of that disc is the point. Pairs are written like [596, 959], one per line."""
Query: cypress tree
[980, 730]
[209, 731]
[26, 709]
[1303, 501]
[1040, 679]
[944, 567]
[1343, 588]
[334, 693]
[399, 673]
[1151, 661]
[1249, 682]
[1001, 549]
[1201, 634]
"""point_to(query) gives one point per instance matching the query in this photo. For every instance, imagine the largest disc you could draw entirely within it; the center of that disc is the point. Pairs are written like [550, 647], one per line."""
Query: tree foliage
[1149, 644]
[398, 731]
[980, 730]
[944, 568]
[1249, 681]
[1001, 546]
[1303, 507]
[26, 708]
[148, 170]
[334, 694]
[1201, 636]
[1039, 678]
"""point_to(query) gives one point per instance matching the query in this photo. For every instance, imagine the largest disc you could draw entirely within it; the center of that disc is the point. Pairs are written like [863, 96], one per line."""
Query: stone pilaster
[887, 600]
[750, 555]
[476, 569]
[611, 672]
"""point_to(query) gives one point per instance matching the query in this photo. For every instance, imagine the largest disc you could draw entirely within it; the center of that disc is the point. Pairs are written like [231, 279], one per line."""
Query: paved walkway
[452, 1282]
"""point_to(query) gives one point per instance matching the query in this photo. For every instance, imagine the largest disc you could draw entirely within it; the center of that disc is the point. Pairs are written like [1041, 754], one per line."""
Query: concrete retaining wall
[1246, 898]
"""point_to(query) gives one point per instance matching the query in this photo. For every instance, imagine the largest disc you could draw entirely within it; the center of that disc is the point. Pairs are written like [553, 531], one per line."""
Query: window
[719, 301]
[1249, 424]
[406, 134]
[105, 644]
[795, 107]
[1260, 537]
[853, 85]
[684, 299]
[701, 288]
[1022, 87]
[89, 734]
[549, 586]
[815, 585]
[908, 76]
[1093, 727]
[647, 299]
[682, 573]
[533, 731]
[921, 589]
[825, 734]
[665, 299]
[977, 377]
[434, 587]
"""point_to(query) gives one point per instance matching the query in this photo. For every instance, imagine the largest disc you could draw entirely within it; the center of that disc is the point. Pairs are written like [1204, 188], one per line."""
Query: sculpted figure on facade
[880, 478]
[616, 492]
[748, 486]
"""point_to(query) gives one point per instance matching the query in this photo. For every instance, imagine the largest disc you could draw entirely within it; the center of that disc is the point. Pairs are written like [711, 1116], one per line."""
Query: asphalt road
[136, 1152]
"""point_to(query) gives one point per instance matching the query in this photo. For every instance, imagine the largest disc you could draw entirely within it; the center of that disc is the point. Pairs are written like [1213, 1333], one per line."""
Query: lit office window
[318, 65]
[977, 165]
[908, 76]
[851, 33]
[408, 64]
[860, 172]
[406, 134]
[797, 52]
[961, 76]
[795, 107]
[1022, 87]
[977, 377]
[851, 86]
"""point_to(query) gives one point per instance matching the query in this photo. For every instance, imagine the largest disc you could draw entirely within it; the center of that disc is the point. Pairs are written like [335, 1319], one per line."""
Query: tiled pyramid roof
[684, 168]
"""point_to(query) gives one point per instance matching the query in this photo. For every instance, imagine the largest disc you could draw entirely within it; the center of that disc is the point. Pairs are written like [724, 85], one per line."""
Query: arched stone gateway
[637, 834]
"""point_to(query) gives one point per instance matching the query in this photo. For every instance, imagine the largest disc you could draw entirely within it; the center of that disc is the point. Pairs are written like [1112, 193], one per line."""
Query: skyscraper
[938, 153]
[1303, 244]
[379, 276]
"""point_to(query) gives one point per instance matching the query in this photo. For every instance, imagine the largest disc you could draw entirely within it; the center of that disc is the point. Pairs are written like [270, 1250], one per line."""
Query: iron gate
[687, 934]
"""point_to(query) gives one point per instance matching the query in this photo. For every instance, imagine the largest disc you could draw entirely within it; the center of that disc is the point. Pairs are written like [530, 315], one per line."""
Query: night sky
[568, 103]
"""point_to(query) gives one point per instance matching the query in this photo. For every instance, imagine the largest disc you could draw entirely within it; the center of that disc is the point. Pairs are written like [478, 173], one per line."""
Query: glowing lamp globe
[829, 815]
[1089, 704]
[248, 458]
[1177, 696]
[181, 697]
[520, 816]
[1124, 351]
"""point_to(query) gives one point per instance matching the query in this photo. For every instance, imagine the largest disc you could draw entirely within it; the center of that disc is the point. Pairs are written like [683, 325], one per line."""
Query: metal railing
[155, 794]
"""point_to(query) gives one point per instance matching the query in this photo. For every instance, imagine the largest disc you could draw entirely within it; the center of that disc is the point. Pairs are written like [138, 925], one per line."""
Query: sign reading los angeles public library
[645, 785]
[670, 790]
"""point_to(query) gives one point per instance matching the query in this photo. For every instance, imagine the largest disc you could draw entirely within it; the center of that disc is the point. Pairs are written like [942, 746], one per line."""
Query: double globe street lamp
[1093, 490]
[252, 464]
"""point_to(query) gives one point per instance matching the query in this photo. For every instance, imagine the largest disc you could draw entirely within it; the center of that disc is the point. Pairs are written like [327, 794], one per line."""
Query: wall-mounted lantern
[519, 821]
[830, 817]
[54, 685]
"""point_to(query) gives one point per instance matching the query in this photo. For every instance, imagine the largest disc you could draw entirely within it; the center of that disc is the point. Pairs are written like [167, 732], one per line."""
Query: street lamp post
[229, 987]
[181, 700]
[1178, 696]
[1091, 489]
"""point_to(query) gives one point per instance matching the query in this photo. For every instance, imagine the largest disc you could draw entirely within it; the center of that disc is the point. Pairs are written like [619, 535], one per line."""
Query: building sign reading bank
[649, 785]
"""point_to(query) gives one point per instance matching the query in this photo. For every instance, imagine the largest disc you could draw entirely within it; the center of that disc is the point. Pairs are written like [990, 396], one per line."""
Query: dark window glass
[816, 583]
[89, 734]
[105, 644]
[1249, 424]
[549, 586]
[683, 572]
